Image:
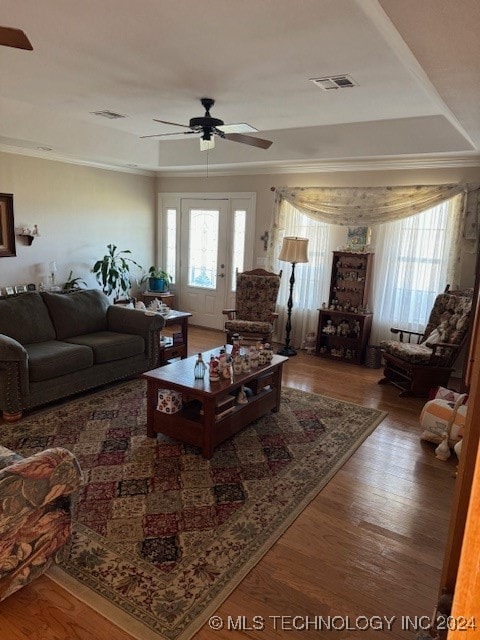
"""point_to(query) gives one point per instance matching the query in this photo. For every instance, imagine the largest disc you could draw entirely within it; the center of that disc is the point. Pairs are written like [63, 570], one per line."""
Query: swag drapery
[370, 206]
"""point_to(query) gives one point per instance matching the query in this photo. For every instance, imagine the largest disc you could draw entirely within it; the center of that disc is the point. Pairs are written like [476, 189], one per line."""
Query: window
[239, 226]
[202, 249]
[171, 243]
[411, 265]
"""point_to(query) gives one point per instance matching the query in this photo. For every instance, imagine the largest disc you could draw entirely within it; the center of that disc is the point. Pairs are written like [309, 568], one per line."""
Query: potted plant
[72, 284]
[158, 280]
[113, 271]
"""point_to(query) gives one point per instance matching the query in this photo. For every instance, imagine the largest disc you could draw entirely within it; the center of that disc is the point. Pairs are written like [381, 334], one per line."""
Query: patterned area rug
[161, 535]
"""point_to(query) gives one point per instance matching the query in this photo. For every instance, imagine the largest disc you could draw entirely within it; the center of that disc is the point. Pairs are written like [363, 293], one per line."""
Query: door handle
[221, 275]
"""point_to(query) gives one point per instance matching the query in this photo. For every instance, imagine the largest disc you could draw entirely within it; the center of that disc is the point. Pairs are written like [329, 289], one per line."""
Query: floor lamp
[293, 250]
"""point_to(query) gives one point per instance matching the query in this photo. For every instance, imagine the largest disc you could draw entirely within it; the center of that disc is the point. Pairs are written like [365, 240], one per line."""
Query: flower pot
[157, 284]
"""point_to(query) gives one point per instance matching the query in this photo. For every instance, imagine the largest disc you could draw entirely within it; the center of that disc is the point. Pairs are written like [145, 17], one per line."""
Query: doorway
[214, 237]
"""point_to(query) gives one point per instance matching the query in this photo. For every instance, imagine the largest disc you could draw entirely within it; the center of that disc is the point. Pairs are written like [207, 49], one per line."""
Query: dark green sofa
[53, 345]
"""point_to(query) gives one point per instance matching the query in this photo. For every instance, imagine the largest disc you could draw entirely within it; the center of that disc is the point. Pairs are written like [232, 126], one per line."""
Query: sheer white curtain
[414, 260]
[311, 278]
[378, 207]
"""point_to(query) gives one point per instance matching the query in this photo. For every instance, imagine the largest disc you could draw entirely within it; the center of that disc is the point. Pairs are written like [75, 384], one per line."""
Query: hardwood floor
[369, 545]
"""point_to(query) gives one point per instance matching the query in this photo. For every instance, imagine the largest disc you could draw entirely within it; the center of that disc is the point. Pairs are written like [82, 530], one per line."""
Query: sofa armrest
[11, 350]
[13, 374]
[133, 321]
[139, 323]
[35, 520]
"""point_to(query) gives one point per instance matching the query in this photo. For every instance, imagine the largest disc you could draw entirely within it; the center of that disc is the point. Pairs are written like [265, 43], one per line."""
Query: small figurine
[214, 369]
[356, 328]
[242, 396]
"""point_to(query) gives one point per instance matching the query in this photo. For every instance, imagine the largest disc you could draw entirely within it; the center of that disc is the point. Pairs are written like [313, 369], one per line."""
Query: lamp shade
[294, 249]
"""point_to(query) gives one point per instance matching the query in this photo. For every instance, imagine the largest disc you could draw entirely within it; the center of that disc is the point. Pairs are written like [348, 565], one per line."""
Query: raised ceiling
[416, 65]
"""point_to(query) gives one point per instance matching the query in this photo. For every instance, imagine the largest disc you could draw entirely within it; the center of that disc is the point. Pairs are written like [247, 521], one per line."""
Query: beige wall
[261, 184]
[79, 210]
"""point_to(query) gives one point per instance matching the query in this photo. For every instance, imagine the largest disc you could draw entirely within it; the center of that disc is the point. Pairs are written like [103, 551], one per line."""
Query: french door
[215, 237]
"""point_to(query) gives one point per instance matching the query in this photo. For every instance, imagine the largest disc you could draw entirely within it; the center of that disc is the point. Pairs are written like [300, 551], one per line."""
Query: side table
[175, 341]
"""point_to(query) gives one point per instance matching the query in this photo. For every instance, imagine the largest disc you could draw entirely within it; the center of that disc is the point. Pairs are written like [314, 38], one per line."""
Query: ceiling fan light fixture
[210, 127]
[205, 144]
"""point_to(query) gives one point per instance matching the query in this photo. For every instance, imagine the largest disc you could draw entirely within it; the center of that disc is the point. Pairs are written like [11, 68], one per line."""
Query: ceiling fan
[209, 127]
[10, 37]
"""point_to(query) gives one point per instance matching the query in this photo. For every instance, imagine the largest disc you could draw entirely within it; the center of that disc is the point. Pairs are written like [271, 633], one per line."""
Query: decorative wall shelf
[28, 234]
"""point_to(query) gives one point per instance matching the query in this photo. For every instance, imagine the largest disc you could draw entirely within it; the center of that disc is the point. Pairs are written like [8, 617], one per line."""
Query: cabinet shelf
[344, 326]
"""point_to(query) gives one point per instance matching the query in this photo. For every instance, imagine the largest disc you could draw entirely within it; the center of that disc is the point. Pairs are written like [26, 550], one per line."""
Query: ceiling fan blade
[159, 135]
[254, 142]
[174, 124]
[10, 37]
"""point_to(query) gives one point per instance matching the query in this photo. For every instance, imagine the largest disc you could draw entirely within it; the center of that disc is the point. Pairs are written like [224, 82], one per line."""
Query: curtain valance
[353, 206]
[370, 206]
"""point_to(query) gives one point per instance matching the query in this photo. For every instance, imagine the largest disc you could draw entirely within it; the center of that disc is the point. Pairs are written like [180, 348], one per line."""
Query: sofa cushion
[54, 358]
[25, 318]
[108, 346]
[76, 313]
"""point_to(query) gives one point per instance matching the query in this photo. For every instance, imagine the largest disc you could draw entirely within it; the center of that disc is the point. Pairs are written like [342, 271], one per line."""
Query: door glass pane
[171, 243]
[239, 222]
[202, 248]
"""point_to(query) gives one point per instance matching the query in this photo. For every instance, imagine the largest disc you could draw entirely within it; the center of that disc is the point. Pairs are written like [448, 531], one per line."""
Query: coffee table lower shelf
[188, 426]
[198, 423]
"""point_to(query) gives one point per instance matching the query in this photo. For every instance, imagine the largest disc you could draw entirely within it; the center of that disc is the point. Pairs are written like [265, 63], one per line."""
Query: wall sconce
[28, 233]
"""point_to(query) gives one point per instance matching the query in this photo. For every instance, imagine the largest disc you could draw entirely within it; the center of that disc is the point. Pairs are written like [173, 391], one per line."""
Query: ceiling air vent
[334, 82]
[108, 114]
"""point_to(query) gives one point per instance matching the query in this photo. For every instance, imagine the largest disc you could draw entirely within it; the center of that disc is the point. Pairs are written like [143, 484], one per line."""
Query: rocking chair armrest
[402, 332]
[231, 313]
[441, 345]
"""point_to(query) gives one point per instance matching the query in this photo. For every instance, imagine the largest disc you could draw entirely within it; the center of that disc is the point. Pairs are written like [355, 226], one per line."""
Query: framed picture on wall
[359, 236]
[7, 227]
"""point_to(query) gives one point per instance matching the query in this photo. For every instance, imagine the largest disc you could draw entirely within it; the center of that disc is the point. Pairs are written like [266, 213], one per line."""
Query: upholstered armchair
[35, 521]
[255, 301]
[418, 362]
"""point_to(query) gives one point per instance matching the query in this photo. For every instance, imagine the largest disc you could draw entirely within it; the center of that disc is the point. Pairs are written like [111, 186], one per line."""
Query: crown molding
[385, 163]
[423, 161]
[55, 157]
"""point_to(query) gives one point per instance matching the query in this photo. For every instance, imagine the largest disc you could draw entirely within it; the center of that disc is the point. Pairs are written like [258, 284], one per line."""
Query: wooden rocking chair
[418, 362]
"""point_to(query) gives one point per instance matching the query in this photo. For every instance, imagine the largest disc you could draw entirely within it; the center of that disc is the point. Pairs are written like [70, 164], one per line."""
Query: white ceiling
[416, 62]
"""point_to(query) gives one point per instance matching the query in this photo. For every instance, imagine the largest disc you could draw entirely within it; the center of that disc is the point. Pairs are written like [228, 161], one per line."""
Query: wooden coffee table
[198, 422]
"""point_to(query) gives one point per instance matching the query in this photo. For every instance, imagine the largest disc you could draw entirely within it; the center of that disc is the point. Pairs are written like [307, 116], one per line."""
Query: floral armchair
[418, 362]
[256, 298]
[35, 521]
